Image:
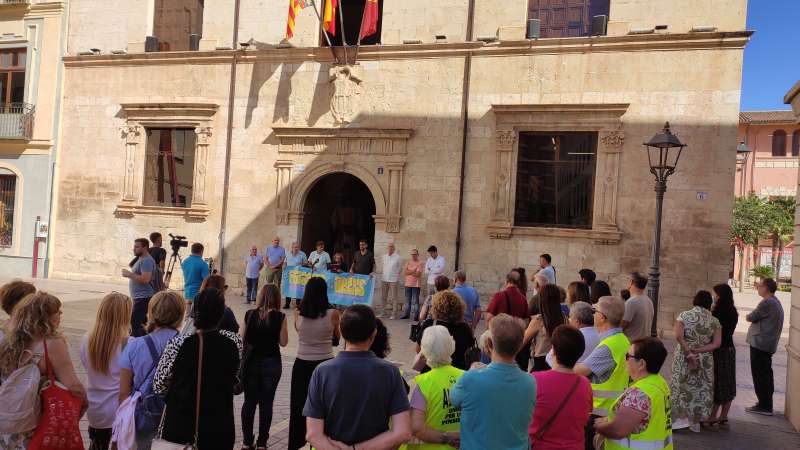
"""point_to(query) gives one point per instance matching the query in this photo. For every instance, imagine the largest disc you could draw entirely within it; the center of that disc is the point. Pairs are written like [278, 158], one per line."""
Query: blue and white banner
[344, 289]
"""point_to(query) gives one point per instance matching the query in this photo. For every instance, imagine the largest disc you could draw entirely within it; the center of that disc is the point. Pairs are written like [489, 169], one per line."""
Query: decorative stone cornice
[678, 41]
[173, 111]
[343, 141]
[127, 209]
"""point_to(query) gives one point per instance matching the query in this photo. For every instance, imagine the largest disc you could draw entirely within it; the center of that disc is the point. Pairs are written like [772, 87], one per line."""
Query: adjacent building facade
[32, 36]
[461, 129]
[769, 170]
[793, 349]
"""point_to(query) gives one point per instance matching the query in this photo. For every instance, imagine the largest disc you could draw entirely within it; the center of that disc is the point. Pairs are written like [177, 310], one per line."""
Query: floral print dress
[692, 385]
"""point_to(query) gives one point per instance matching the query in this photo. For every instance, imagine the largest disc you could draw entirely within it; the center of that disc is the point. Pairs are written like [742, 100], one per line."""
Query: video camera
[176, 242]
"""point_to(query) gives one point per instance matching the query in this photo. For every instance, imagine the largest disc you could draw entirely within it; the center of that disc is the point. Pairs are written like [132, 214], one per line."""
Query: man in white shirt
[389, 279]
[319, 259]
[547, 269]
[434, 267]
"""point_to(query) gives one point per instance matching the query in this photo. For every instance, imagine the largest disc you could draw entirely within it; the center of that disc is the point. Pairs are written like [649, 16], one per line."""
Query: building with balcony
[32, 36]
[497, 131]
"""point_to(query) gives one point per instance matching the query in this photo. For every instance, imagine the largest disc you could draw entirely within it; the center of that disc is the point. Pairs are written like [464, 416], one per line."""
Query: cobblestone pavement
[746, 430]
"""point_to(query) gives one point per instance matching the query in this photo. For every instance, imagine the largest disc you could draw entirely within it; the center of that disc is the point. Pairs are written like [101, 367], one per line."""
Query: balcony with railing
[16, 120]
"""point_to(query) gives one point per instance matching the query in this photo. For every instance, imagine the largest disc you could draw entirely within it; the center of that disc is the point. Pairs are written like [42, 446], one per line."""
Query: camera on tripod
[177, 242]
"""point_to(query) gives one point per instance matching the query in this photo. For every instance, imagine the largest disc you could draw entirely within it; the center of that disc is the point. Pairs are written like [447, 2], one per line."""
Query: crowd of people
[561, 368]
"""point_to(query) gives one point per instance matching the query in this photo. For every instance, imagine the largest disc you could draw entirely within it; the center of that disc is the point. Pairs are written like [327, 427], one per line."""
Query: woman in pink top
[563, 398]
[413, 273]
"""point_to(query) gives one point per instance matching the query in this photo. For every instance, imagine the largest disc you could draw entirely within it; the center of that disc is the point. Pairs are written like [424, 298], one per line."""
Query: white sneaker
[695, 427]
[680, 424]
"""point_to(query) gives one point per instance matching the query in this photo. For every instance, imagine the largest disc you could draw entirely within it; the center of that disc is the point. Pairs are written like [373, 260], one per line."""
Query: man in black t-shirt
[159, 255]
[364, 260]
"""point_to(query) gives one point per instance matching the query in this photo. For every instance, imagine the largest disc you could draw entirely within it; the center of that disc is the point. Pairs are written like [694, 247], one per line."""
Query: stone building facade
[394, 122]
[32, 39]
[793, 349]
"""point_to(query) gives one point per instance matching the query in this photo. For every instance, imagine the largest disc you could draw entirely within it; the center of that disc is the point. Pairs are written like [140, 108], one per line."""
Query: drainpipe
[229, 137]
[465, 128]
[56, 135]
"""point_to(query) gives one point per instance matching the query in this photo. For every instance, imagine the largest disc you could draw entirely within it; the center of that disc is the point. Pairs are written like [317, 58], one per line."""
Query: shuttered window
[779, 143]
[566, 18]
[169, 167]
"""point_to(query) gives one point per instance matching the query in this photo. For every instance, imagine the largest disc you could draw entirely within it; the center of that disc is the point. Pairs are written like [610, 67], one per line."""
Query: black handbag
[247, 355]
[416, 328]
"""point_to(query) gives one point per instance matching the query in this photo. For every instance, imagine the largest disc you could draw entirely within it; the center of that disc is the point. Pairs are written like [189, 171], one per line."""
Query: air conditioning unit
[194, 42]
[599, 25]
[534, 30]
[151, 44]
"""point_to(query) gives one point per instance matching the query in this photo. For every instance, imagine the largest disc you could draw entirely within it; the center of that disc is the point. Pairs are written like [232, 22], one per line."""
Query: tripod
[171, 266]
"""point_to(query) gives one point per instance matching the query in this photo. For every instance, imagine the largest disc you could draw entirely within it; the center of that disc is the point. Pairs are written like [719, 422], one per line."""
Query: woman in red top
[563, 398]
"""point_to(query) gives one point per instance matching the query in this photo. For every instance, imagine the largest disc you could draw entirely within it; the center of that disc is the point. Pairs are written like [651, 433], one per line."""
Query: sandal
[722, 423]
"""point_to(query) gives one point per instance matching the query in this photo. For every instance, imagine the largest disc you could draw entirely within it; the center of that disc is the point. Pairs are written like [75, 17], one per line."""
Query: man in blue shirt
[274, 257]
[472, 315]
[139, 277]
[296, 257]
[253, 264]
[195, 270]
[497, 402]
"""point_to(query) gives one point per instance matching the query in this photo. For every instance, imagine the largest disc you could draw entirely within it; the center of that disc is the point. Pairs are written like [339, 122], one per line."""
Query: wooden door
[175, 20]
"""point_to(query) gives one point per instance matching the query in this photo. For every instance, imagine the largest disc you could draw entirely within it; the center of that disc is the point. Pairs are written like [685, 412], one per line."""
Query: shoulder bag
[546, 426]
[247, 355]
[20, 408]
[150, 405]
[159, 443]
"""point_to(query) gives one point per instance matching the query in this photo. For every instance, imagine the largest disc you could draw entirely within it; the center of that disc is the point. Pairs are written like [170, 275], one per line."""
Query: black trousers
[100, 438]
[261, 382]
[540, 364]
[301, 377]
[139, 316]
[763, 379]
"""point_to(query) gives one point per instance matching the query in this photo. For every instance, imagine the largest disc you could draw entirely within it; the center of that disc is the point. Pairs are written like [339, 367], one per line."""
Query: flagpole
[324, 33]
[358, 43]
[341, 30]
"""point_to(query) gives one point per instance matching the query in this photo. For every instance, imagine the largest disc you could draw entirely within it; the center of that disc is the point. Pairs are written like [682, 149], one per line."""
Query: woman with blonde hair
[35, 324]
[447, 309]
[217, 282]
[100, 353]
[265, 331]
[140, 357]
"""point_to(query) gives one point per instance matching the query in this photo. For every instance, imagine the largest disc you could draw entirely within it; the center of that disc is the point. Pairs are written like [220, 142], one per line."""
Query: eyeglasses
[629, 356]
[596, 310]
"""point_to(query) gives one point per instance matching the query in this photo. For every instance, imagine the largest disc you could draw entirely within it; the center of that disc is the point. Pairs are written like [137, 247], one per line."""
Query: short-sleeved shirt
[356, 394]
[567, 431]
[391, 268]
[253, 266]
[411, 266]
[102, 390]
[497, 405]
[510, 296]
[471, 298]
[158, 254]
[319, 260]
[136, 356]
[364, 264]
[434, 268]
[144, 264]
[601, 362]
[274, 254]
[549, 272]
[297, 259]
[639, 314]
[195, 270]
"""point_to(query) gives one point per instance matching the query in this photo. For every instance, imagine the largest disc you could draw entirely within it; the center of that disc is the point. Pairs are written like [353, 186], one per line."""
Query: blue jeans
[412, 301]
[261, 382]
[252, 289]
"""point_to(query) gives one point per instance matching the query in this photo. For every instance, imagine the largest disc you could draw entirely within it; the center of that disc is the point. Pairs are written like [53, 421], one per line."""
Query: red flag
[369, 22]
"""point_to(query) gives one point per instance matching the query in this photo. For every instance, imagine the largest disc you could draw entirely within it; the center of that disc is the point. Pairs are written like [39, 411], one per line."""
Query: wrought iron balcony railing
[16, 120]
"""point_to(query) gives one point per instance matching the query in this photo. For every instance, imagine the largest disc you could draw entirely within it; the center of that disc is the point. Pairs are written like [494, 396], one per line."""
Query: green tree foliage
[780, 224]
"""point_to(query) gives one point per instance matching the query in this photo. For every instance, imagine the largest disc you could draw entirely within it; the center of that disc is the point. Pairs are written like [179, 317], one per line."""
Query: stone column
[609, 152]
[283, 194]
[132, 135]
[395, 199]
[201, 166]
[502, 214]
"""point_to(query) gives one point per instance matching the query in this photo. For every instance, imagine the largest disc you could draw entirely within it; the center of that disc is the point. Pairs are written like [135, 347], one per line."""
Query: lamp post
[663, 152]
[742, 154]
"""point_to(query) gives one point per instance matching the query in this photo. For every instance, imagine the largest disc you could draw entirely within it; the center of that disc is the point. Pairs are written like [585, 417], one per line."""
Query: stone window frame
[139, 117]
[604, 119]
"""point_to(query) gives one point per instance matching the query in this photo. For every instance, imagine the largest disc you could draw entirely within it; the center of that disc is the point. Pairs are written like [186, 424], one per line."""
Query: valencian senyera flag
[294, 9]
[369, 22]
[329, 17]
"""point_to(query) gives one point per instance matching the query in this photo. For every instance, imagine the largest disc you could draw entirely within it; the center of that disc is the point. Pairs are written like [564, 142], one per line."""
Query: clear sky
[772, 58]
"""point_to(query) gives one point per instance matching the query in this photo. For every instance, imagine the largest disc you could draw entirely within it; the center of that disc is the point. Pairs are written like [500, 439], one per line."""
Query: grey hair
[437, 346]
[482, 341]
[582, 313]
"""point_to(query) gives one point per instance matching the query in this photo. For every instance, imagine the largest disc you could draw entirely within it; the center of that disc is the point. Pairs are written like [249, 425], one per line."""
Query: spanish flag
[329, 18]
[294, 8]
[369, 21]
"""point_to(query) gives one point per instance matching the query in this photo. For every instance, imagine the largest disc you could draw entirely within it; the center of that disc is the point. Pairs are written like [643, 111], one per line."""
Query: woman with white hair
[434, 420]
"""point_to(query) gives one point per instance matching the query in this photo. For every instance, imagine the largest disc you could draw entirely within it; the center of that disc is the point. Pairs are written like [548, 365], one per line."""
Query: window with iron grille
[8, 193]
[169, 167]
[779, 143]
[566, 18]
[555, 179]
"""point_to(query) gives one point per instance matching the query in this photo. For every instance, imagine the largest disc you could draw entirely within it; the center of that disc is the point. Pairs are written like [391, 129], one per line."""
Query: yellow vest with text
[440, 415]
[658, 434]
[606, 393]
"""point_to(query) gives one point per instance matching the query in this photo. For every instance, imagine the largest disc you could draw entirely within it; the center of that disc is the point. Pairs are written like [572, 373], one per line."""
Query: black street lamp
[663, 152]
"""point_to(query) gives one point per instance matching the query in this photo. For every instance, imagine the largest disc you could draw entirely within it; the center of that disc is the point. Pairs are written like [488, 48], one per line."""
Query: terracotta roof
[767, 117]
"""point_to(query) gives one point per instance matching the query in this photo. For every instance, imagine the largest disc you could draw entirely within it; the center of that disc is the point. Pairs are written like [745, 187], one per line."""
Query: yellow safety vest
[440, 414]
[604, 394]
[658, 434]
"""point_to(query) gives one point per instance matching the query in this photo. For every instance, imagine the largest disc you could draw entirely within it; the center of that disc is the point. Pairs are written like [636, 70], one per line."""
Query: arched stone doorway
[339, 210]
